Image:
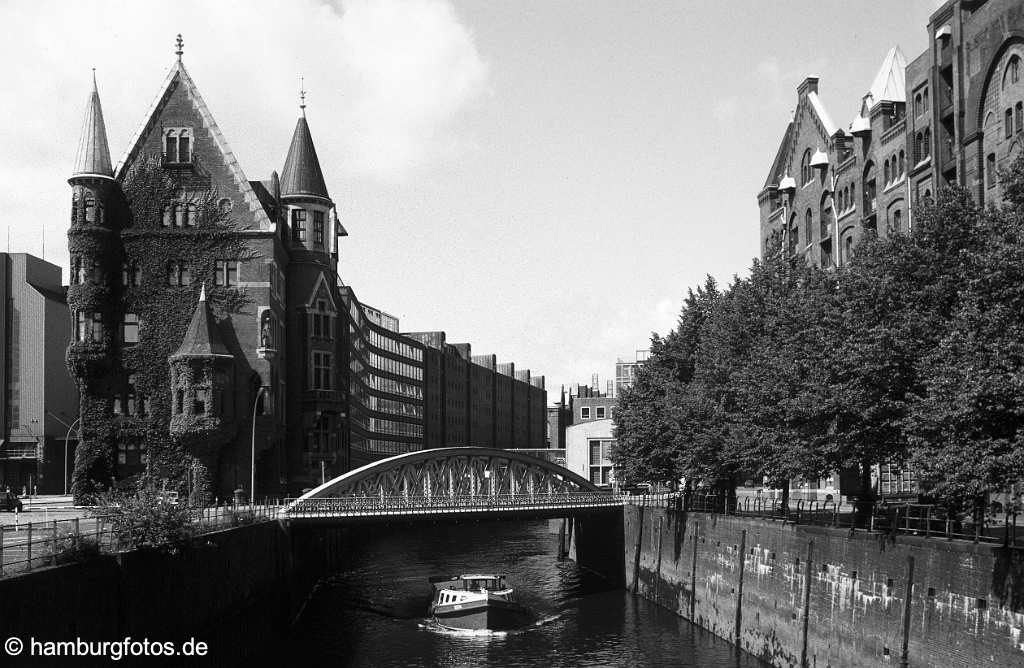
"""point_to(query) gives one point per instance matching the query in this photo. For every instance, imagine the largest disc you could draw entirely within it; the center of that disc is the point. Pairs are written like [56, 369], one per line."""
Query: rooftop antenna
[180, 43]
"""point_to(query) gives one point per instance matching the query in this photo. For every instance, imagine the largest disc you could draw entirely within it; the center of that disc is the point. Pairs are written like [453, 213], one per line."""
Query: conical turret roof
[202, 339]
[302, 174]
[93, 158]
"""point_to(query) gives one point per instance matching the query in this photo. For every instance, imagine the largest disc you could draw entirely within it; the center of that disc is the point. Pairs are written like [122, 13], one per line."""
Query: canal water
[375, 613]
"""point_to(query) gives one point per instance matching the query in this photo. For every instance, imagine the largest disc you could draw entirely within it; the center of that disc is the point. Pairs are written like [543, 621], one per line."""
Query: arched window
[897, 221]
[171, 146]
[179, 214]
[806, 171]
[926, 147]
[917, 105]
[1012, 73]
[924, 101]
[794, 234]
[90, 210]
[853, 195]
[1008, 122]
[888, 176]
[190, 214]
[808, 226]
[902, 162]
[1019, 116]
[167, 213]
[990, 170]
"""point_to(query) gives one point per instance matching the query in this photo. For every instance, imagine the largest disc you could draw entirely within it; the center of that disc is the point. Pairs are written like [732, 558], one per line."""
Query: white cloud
[414, 67]
[386, 80]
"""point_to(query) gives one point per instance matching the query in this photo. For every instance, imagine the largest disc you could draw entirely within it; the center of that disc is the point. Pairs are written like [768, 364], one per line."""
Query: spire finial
[94, 79]
[202, 292]
[180, 43]
[302, 95]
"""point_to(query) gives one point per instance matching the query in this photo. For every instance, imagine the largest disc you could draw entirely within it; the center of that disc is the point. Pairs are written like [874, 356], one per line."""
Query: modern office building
[625, 371]
[40, 401]
[954, 114]
[213, 338]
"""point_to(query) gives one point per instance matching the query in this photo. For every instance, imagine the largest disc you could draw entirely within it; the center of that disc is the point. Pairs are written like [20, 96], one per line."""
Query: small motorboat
[476, 602]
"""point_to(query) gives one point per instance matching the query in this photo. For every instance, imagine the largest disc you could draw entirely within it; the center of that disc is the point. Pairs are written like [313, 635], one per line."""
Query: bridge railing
[376, 505]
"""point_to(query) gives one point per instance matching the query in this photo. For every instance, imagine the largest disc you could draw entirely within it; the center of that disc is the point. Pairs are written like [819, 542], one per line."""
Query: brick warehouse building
[210, 321]
[954, 114]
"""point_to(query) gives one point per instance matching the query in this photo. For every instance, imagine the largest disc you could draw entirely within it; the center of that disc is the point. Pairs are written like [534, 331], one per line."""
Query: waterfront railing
[25, 546]
[884, 517]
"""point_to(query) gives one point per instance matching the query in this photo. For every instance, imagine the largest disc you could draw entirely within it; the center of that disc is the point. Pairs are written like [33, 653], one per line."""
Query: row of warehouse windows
[389, 365]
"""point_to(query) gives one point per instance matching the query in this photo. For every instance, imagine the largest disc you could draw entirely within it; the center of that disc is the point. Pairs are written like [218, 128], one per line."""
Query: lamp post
[252, 461]
[67, 437]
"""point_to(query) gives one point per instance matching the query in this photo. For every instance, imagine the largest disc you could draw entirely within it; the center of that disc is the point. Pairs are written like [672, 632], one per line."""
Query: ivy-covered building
[214, 343]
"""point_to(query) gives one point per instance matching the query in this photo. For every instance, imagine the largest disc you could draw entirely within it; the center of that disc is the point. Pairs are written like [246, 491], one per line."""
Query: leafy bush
[71, 549]
[146, 519]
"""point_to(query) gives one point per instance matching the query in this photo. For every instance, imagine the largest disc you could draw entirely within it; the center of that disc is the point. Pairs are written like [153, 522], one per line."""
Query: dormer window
[178, 145]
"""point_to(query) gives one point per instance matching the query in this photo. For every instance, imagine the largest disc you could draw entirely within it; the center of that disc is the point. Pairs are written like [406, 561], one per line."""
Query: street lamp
[67, 438]
[252, 460]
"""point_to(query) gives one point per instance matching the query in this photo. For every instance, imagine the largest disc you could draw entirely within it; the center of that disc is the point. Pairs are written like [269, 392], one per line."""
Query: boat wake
[434, 627]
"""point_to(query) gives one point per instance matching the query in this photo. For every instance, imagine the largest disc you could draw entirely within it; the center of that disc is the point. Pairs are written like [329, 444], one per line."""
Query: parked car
[10, 502]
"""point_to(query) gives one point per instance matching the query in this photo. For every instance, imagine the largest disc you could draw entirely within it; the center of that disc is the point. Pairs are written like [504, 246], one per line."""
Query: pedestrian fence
[880, 517]
[25, 546]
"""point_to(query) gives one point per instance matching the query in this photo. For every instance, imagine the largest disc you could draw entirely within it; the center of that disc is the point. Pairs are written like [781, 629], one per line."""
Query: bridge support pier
[596, 543]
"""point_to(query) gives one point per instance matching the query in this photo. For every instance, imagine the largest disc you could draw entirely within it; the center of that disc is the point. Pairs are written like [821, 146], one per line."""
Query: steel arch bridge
[451, 481]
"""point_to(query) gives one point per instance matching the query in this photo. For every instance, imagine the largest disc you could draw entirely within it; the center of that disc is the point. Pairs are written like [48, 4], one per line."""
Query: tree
[967, 427]
[647, 421]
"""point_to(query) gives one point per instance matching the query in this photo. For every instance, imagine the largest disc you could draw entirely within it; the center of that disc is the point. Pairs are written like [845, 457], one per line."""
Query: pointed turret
[93, 158]
[889, 84]
[302, 176]
[202, 339]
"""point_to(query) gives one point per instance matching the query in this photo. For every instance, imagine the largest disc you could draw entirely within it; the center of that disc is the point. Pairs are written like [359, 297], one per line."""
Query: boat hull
[494, 615]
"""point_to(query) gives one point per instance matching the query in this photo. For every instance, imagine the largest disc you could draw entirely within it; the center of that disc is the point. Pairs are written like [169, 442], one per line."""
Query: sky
[543, 179]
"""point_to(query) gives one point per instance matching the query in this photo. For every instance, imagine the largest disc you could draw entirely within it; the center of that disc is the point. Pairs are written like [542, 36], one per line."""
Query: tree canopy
[912, 354]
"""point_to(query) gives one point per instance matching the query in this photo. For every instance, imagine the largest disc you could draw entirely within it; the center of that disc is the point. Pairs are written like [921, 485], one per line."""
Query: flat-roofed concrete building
[40, 402]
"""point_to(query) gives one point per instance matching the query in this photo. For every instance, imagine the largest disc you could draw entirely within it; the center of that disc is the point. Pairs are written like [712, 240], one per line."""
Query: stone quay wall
[814, 596]
[207, 590]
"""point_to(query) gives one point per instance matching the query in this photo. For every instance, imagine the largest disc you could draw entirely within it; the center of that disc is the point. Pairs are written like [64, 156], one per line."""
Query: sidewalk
[43, 508]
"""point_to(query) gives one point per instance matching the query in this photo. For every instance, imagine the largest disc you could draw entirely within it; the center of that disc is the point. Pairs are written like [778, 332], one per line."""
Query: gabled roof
[819, 109]
[779, 164]
[93, 157]
[202, 339]
[890, 84]
[178, 76]
[301, 174]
